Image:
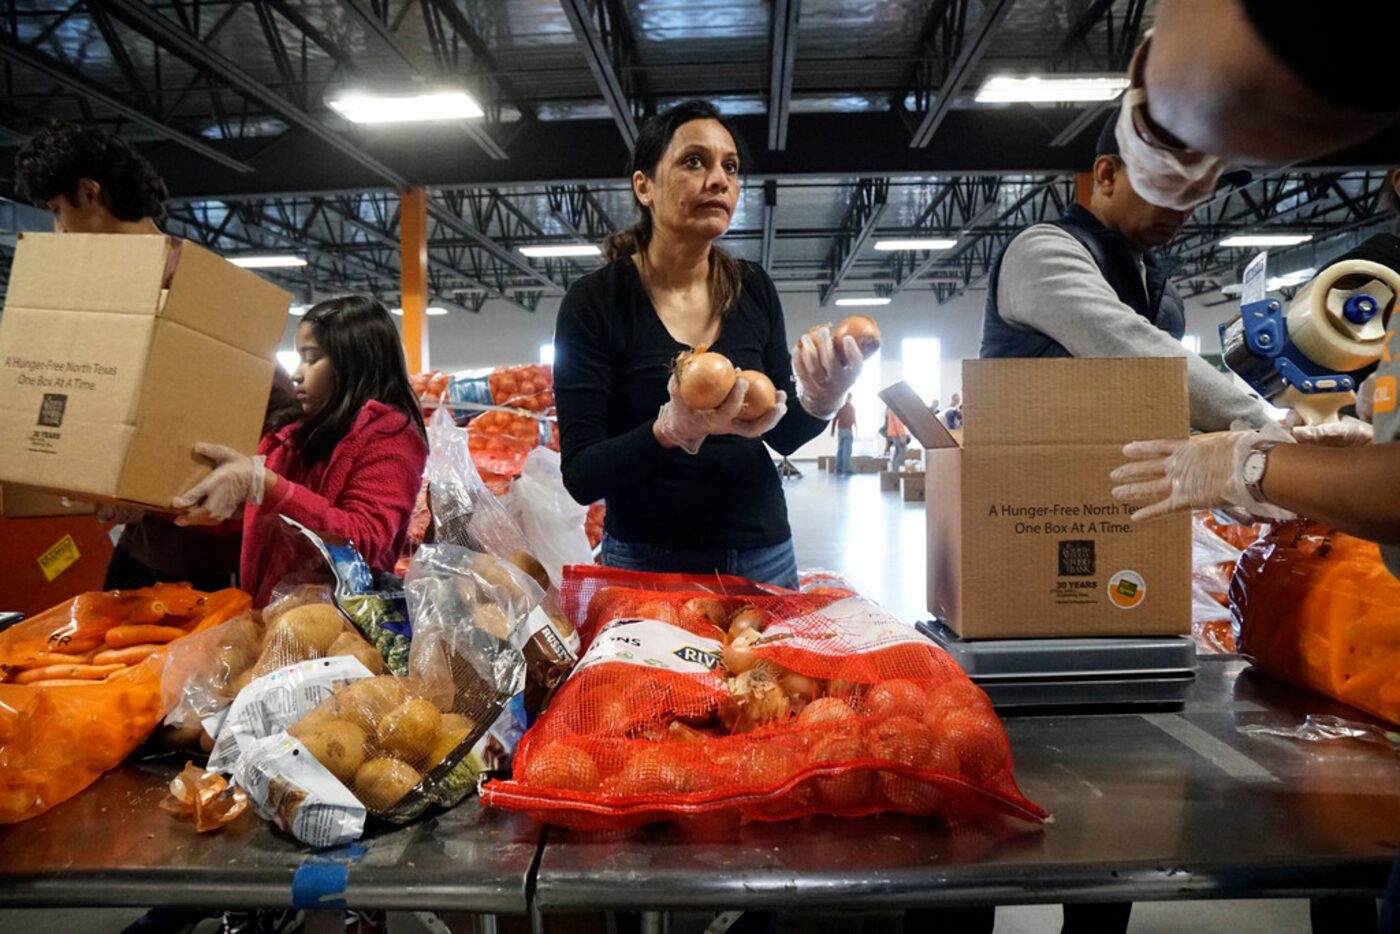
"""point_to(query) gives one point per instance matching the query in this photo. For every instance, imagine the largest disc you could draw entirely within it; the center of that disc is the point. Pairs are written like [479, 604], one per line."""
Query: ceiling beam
[868, 203]
[782, 61]
[974, 46]
[770, 223]
[192, 50]
[67, 77]
[601, 51]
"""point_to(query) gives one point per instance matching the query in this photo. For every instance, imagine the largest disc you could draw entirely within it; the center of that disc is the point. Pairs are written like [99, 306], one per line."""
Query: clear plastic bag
[465, 512]
[554, 525]
[1322, 728]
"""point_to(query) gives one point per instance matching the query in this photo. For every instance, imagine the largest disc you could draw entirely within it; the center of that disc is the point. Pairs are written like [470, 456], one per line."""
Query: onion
[827, 710]
[738, 652]
[755, 698]
[749, 618]
[865, 331]
[760, 398]
[705, 378]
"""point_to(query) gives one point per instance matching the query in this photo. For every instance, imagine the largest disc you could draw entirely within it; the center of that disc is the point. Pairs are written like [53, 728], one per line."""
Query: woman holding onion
[690, 486]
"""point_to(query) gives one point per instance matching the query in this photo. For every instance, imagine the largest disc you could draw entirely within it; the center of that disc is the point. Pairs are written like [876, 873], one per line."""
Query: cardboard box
[866, 464]
[22, 502]
[913, 487]
[118, 353]
[889, 481]
[1024, 536]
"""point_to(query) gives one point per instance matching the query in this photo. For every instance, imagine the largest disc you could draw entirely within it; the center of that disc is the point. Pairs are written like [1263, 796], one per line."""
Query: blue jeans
[771, 564]
[845, 438]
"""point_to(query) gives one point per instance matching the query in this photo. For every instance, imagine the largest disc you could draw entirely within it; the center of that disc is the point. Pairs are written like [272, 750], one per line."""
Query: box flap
[234, 306]
[926, 427]
[1074, 400]
[119, 273]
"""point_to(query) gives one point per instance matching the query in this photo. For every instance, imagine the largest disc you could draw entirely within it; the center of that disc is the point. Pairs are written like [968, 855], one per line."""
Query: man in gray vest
[1091, 284]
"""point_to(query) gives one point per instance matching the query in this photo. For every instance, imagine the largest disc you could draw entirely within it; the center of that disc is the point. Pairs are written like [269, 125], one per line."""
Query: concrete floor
[877, 541]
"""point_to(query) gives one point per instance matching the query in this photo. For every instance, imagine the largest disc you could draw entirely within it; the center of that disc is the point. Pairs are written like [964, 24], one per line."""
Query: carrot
[67, 672]
[119, 637]
[127, 656]
[61, 682]
[44, 659]
[146, 613]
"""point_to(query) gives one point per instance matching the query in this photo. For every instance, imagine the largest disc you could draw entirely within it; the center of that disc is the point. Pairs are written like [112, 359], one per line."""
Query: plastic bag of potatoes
[397, 745]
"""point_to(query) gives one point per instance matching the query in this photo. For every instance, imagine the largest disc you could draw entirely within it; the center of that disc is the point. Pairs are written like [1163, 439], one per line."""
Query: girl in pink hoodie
[349, 469]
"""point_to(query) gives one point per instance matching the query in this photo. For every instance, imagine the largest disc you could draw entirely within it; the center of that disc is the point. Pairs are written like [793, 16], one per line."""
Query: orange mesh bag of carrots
[765, 706]
[1320, 610]
[80, 686]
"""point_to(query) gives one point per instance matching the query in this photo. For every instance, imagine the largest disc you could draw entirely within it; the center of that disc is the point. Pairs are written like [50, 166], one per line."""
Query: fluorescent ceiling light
[1005, 89]
[861, 302]
[406, 108]
[433, 311]
[925, 243]
[561, 249]
[1290, 279]
[1244, 240]
[285, 261]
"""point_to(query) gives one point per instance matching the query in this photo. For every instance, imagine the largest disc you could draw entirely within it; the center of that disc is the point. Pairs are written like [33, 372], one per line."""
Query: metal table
[1147, 806]
[112, 845]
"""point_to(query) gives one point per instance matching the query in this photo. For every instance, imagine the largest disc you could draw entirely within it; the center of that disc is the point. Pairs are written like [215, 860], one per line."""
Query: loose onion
[865, 331]
[760, 398]
[738, 652]
[749, 618]
[705, 378]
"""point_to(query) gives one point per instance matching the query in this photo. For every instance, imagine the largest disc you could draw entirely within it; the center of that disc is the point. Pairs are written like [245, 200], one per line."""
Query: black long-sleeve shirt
[612, 359]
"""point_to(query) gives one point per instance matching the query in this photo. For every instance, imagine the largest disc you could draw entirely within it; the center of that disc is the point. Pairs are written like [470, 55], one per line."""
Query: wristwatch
[1256, 462]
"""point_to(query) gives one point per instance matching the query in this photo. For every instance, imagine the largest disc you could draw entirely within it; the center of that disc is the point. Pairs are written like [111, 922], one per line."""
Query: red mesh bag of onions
[767, 704]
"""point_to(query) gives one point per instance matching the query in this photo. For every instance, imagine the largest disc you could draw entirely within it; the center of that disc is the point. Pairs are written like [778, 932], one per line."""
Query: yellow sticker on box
[61, 556]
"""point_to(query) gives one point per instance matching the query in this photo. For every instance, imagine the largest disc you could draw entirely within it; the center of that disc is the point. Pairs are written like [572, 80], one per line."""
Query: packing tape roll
[1318, 333]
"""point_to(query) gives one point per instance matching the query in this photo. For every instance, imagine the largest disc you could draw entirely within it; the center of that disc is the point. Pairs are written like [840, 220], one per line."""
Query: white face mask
[1178, 179]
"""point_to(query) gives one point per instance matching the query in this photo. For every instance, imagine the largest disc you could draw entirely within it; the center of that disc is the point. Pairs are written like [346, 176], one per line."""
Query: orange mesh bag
[769, 707]
[82, 686]
[1320, 610]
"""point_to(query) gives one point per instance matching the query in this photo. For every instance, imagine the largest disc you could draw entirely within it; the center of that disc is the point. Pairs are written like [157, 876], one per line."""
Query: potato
[314, 720]
[409, 729]
[382, 783]
[367, 701]
[237, 683]
[531, 565]
[448, 738]
[492, 619]
[339, 745]
[455, 721]
[312, 628]
[235, 657]
[349, 643]
[206, 742]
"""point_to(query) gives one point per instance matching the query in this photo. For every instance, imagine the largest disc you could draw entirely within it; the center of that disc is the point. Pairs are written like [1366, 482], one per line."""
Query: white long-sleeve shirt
[1049, 283]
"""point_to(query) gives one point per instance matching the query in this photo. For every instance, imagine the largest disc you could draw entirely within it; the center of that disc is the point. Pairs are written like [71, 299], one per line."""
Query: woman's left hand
[824, 376]
[235, 480]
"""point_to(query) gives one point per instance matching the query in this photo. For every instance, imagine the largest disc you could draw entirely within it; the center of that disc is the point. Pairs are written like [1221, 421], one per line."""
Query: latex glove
[1200, 473]
[1366, 399]
[1347, 433]
[687, 428]
[822, 379]
[235, 480]
[119, 514]
[1169, 177]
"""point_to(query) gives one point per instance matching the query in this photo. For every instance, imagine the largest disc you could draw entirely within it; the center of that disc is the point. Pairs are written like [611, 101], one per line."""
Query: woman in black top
[687, 491]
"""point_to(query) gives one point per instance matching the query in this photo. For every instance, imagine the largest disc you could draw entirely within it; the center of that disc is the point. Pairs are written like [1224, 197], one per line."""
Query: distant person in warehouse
[899, 439]
[96, 183]
[953, 416]
[1091, 284]
[843, 426]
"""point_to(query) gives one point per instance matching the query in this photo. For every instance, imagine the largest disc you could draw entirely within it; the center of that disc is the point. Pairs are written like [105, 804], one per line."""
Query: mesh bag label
[653, 644]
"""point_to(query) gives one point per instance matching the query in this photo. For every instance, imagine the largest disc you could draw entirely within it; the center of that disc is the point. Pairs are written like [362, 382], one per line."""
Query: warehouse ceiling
[857, 115]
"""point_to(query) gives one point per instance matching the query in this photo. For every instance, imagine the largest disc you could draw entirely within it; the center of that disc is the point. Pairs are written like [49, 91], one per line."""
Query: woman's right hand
[680, 426]
[824, 376]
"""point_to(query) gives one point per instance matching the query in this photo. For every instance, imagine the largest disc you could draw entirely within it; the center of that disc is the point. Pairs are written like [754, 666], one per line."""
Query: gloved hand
[119, 514]
[235, 480]
[1167, 176]
[1347, 433]
[1200, 473]
[687, 428]
[1366, 399]
[822, 379]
